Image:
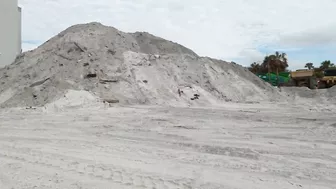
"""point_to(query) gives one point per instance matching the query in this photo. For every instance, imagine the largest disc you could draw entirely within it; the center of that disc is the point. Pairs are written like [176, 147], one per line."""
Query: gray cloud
[213, 28]
[319, 35]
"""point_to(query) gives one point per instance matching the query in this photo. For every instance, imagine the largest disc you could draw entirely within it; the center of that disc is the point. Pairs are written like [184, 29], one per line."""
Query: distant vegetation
[278, 62]
[318, 71]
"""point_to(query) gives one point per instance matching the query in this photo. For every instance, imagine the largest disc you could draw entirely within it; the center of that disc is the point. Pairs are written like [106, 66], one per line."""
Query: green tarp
[273, 79]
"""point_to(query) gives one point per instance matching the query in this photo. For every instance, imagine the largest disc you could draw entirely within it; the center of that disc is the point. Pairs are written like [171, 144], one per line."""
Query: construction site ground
[98, 108]
[236, 146]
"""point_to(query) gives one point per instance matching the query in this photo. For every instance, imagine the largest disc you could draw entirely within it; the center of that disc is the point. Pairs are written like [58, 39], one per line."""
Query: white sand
[235, 136]
[73, 99]
[133, 68]
[239, 146]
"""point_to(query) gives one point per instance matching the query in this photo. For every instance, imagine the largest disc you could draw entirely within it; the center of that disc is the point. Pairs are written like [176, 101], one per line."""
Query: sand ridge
[131, 68]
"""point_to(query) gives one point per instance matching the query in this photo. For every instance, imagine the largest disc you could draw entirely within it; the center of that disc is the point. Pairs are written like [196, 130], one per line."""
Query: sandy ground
[233, 147]
[75, 142]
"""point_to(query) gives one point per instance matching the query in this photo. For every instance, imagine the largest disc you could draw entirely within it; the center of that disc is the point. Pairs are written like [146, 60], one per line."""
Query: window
[331, 72]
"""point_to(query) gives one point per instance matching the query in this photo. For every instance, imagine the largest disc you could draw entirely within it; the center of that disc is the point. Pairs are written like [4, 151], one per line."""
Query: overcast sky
[238, 30]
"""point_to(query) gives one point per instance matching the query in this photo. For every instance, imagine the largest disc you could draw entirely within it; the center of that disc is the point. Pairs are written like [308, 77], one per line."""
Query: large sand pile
[323, 96]
[128, 68]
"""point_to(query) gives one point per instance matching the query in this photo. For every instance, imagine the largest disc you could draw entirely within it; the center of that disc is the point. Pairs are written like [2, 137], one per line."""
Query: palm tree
[275, 63]
[281, 61]
[255, 68]
[309, 65]
[327, 64]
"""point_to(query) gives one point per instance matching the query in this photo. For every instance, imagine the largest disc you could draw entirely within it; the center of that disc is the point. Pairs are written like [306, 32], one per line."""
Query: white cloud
[251, 55]
[213, 28]
[321, 35]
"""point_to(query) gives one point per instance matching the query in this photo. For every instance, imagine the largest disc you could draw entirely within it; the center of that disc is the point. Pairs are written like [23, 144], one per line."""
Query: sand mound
[72, 99]
[314, 100]
[304, 93]
[128, 68]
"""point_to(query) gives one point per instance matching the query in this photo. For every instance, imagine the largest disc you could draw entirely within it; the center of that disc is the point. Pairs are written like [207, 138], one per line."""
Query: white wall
[10, 31]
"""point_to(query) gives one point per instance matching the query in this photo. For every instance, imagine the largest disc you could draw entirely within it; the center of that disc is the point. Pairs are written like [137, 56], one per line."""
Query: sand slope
[133, 68]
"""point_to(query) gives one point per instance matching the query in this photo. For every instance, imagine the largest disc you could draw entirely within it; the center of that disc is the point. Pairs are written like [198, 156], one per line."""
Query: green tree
[309, 65]
[318, 72]
[255, 68]
[275, 63]
[327, 64]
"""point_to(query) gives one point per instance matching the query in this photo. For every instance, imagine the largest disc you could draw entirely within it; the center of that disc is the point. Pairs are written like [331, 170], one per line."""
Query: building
[10, 31]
